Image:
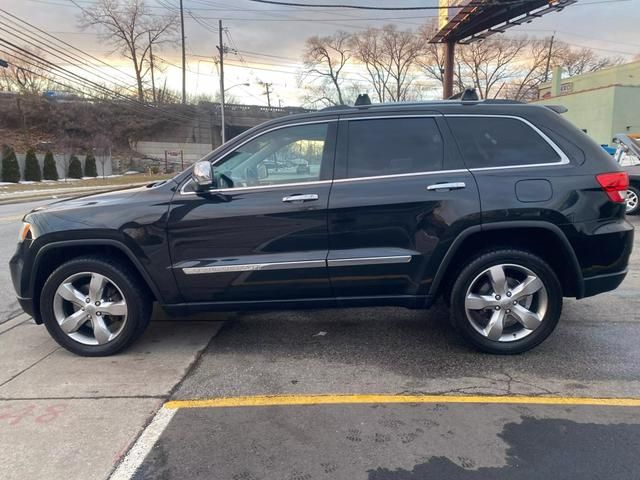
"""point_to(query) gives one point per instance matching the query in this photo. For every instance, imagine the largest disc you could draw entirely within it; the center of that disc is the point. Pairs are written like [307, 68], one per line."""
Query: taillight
[615, 185]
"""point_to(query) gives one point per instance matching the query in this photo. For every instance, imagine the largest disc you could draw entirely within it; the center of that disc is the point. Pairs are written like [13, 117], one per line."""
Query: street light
[223, 134]
[237, 85]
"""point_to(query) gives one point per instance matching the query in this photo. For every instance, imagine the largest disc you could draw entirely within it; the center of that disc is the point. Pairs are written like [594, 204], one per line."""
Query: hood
[94, 199]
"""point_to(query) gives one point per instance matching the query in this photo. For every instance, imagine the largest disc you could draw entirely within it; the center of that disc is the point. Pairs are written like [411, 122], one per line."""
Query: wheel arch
[52, 255]
[555, 249]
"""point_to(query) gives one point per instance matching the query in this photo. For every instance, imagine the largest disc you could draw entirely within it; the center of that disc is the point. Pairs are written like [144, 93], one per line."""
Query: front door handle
[309, 197]
[447, 186]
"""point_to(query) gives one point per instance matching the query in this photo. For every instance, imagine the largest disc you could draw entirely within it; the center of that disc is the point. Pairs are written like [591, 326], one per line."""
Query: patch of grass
[73, 183]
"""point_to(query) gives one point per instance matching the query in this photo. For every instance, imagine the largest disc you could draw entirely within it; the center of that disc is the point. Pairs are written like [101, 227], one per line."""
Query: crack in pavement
[507, 389]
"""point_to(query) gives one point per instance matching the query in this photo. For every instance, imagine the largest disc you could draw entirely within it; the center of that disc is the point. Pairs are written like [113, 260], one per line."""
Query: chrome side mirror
[202, 175]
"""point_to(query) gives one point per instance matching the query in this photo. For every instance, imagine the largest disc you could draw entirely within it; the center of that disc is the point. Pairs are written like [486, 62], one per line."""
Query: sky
[269, 39]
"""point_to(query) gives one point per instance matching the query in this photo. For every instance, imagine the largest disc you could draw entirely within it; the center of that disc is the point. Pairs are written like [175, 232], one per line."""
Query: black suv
[501, 209]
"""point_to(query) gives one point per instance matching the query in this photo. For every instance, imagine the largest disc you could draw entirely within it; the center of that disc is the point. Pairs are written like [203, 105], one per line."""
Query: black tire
[497, 257]
[127, 280]
[635, 210]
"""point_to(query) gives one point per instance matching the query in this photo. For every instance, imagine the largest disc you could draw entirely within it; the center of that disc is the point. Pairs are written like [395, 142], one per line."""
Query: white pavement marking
[143, 445]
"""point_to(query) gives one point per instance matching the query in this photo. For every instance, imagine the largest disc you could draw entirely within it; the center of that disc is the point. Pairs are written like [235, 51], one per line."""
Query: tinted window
[287, 155]
[499, 142]
[392, 146]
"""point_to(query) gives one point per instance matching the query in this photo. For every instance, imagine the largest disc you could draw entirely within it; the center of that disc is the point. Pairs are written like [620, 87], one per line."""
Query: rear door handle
[309, 197]
[447, 186]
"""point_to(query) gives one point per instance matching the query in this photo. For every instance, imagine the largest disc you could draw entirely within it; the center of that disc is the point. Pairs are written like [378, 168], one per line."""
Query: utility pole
[153, 80]
[267, 92]
[184, 62]
[223, 134]
[546, 72]
[449, 65]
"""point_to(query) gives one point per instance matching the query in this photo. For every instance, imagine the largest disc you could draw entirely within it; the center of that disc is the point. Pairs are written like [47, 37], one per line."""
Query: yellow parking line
[285, 400]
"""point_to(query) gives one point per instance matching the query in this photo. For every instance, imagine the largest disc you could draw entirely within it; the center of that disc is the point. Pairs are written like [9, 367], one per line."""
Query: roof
[452, 106]
[478, 19]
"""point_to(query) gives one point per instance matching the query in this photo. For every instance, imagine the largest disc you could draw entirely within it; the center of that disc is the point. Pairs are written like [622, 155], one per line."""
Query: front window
[287, 155]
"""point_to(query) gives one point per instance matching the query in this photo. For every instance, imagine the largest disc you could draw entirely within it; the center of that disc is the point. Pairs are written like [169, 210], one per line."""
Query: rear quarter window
[489, 142]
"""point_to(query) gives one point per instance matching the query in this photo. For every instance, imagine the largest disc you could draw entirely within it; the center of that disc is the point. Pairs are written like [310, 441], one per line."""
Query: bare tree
[131, 28]
[368, 51]
[576, 61]
[390, 57]
[433, 54]
[490, 64]
[432, 58]
[26, 76]
[327, 57]
[403, 48]
[532, 69]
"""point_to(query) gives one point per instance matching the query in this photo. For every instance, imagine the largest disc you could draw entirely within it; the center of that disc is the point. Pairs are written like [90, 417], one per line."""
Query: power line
[56, 39]
[368, 7]
[85, 94]
[71, 76]
[56, 52]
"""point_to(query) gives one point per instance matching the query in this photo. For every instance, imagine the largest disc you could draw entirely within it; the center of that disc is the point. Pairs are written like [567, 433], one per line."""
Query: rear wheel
[94, 307]
[633, 201]
[506, 301]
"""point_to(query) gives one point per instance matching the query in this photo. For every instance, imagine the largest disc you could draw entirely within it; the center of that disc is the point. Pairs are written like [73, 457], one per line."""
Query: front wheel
[506, 301]
[94, 307]
[633, 201]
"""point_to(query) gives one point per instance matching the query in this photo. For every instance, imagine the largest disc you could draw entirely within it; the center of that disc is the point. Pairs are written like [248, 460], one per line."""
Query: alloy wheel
[90, 308]
[632, 201]
[506, 302]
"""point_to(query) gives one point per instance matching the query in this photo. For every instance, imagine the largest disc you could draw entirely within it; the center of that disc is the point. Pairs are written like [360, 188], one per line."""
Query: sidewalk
[63, 416]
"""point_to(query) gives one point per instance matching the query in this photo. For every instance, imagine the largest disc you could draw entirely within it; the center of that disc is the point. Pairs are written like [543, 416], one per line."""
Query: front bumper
[21, 279]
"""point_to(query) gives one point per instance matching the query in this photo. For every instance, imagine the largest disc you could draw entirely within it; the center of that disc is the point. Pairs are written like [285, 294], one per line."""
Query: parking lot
[379, 393]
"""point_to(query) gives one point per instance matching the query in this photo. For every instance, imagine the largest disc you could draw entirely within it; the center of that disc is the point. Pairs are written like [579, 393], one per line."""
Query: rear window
[392, 146]
[500, 142]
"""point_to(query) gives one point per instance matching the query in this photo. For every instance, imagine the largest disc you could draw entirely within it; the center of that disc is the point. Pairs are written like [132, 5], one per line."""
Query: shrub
[10, 167]
[90, 169]
[49, 170]
[75, 168]
[32, 167]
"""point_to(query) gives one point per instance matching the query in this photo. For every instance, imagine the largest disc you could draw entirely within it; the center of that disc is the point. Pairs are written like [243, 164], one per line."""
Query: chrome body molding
[337, 262]
[251, 267]
[349, 262]
[401, 175]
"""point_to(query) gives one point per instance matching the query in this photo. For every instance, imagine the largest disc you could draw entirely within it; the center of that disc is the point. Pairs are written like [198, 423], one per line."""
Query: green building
[602, 103]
